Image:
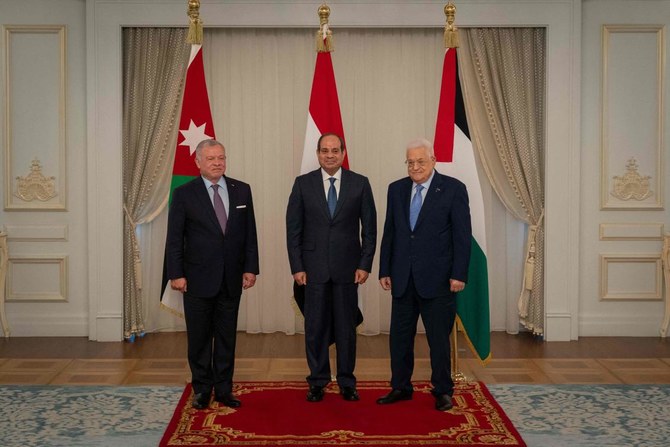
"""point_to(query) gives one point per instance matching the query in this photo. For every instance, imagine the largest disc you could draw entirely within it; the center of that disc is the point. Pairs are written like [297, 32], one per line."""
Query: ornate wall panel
[632, 105]
[631, 231]
[35, 170]
[37, 278]
[631, 277]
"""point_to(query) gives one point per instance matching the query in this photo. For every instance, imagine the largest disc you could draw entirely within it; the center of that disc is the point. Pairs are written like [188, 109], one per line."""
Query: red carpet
[276, 413]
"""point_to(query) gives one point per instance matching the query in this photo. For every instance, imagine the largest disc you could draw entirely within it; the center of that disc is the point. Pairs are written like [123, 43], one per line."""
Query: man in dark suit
[212, 254]
[425, 253]
[331, 231]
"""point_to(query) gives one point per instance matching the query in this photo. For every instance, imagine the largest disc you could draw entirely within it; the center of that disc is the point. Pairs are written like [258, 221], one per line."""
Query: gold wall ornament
[324, 37]
[631, 185]
[35, 185]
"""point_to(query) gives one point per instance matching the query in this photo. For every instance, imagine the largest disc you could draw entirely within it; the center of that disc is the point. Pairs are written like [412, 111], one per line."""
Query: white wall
[47, 242]
[94, 224]
[630, 119]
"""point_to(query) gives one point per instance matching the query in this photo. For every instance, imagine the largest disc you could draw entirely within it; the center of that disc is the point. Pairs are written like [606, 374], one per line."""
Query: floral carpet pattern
[545, 415]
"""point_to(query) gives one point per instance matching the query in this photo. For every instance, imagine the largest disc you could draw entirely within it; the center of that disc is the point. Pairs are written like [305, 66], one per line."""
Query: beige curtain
[503, 74]
[259, 84]
[154, 63]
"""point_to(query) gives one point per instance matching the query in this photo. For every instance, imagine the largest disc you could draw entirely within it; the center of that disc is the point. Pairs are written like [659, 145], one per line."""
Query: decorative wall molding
[37, 233]
[35, 61]
[29, 276]
[631, 277]
[632, 104]
[631, 231]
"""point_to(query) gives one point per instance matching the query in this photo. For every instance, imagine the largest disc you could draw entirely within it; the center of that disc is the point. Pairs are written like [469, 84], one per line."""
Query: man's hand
[178, 284]
[300, 278]
[456, 285]
[248, 280]
[361, 276]
[385, 283]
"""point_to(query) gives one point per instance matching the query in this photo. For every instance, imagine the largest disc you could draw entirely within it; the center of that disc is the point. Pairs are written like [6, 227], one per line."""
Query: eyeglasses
[416, 163]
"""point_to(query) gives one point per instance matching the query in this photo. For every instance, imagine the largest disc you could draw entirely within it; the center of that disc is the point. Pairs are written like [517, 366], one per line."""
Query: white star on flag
[193, 136]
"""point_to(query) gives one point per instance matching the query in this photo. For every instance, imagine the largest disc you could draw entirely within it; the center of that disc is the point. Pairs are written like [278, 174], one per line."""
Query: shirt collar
[325, 176]
[221, 182]
[427, 183]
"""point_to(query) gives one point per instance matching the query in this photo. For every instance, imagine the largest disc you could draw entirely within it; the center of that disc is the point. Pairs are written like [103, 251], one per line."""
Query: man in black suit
[331, 231]
[212, 254]
[425, 253]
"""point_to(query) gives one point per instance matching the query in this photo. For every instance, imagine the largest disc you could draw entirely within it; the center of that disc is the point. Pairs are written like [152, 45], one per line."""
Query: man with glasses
[331, 232]
[425, 253]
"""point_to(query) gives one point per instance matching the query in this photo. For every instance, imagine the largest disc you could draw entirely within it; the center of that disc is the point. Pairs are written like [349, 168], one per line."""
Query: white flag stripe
[465, 169]
[312, 134]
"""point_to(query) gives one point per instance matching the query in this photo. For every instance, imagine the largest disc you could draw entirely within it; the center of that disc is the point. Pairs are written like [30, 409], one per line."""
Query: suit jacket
[439, 247]
[331, 248]
[197, 249]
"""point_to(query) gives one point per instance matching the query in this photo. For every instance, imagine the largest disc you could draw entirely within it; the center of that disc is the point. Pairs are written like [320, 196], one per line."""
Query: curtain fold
[503, 72]
[154, 62]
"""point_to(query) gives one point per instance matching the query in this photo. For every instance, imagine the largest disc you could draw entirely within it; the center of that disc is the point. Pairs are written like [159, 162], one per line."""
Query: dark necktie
[219, 209]
[415, 207]
[332, 196]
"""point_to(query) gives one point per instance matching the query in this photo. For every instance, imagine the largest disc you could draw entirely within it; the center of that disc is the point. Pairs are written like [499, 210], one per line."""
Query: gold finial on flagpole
[195, 24]
[324, 37]
[450, 30]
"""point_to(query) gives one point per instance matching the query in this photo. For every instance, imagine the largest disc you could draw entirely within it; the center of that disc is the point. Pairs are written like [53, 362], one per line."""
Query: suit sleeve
[387, 239]
[251, 263]
[174, 245]
[294, 228]
[462, 234]
[368, 228]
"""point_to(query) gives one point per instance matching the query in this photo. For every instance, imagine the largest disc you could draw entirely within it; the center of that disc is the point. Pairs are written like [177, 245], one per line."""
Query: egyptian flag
[455, 157]
[323, 117]
[195, 125]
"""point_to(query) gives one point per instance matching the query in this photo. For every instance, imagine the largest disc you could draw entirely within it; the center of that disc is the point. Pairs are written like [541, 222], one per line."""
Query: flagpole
[451, 41]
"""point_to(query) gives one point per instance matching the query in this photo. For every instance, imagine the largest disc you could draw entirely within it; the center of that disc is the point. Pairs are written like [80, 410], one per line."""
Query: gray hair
[207, 143]
[421, 142]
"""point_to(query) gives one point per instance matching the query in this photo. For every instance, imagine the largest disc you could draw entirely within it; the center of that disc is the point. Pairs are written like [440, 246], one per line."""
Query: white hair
[421, 142]
[206, 143]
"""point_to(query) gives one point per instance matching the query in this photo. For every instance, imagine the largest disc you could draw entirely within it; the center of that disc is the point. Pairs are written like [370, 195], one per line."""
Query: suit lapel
[345, 187]
[316, 185]
[432, 196]
[205, 202]
[232, 201]
[405, 195]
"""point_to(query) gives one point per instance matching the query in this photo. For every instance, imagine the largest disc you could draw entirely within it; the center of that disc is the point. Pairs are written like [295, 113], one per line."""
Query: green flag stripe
[473, 307]
[177, 181]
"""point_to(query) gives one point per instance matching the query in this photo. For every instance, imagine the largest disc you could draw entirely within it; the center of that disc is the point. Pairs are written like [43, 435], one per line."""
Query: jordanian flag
[455, 157]
[195, 125]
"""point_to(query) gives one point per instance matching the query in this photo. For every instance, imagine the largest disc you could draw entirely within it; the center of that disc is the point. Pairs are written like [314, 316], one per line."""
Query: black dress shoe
[394, 396]
[315, 393]
[443, 402]
[228, 399]
[200, 401]
[349, 393]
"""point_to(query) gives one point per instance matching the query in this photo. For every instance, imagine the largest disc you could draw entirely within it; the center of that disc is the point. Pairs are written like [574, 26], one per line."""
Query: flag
[455, 157]
[323, 117]
[195, 125]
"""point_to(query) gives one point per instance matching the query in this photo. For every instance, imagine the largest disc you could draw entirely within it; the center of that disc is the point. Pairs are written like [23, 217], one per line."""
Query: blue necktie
[415, 207]
[332, 196]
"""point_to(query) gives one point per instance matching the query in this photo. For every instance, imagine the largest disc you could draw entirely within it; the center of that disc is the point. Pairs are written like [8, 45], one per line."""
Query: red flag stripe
[324, 106]
[444, 130]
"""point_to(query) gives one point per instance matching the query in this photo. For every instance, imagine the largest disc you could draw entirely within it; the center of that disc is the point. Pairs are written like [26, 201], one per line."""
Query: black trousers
[438, 315]
[211, 329]
[330, 314]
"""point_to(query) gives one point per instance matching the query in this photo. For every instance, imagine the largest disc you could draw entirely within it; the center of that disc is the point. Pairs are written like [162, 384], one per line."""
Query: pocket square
[241, 206]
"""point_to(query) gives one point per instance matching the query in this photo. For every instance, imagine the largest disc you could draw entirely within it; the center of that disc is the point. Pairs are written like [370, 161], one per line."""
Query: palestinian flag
[456, 158]
[195, 125]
